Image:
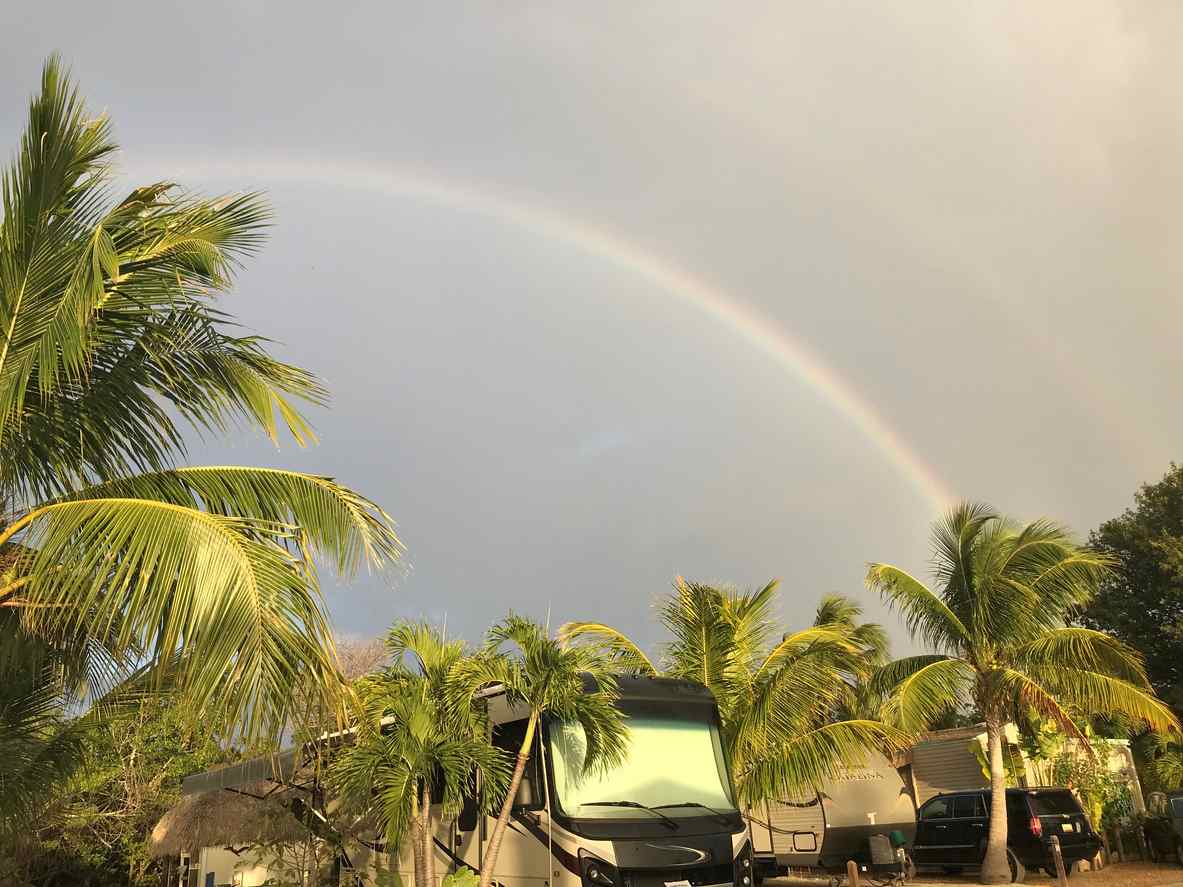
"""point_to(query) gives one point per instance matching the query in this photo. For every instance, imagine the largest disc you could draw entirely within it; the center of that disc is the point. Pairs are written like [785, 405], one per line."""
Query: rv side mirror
[524, 799]
[469, 814]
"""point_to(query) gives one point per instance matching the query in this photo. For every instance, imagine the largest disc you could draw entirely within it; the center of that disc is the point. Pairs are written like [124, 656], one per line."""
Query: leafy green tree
[111, 553]
[777, 695]
[546, 678]
[95, 830]
[998, 617]
[417, 744]
[1141, 600]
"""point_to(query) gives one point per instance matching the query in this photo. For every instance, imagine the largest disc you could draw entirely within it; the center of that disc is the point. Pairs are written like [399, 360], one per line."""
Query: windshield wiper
[667, 820]
[719, 813]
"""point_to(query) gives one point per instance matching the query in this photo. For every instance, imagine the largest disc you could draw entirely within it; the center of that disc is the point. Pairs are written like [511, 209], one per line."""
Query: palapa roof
[224, 819]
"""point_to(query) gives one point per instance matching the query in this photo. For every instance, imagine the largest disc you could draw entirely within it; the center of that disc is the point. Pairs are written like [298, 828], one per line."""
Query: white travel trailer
[666, 817]
[833, 825]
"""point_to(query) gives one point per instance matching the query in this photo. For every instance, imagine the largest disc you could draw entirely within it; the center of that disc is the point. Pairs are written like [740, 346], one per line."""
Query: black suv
[951, 830]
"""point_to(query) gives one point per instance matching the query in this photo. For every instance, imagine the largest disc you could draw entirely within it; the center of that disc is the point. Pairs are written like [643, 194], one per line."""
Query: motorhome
[666, 817]
[824, 829]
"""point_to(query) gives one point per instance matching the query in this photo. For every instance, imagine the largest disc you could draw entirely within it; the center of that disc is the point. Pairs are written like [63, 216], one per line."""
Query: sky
[610, 293]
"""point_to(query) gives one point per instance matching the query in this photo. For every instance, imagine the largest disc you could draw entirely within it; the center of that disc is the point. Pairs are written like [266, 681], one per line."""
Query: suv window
[937, 808]
[1016, 807]
[968, 807]
[1177, 806]
[1054, 803]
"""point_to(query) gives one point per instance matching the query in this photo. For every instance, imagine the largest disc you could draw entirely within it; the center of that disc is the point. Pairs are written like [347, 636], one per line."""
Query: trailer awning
[278, 767]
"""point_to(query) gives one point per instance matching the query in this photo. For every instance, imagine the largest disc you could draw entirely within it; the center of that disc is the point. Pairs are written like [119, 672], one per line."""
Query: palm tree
[546, 678]
[998, 619]
[414, 736]
[111, 345]
[776, 696]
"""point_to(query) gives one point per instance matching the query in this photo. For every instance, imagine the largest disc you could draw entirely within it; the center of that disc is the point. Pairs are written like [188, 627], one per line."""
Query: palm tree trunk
[507, 805]
[995, 867]
[428, 834]
[420, 860]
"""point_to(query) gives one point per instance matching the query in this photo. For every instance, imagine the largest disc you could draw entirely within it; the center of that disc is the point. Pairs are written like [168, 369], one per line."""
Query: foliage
[1141, 600]
[777, 696]
[998, 621]
[1014, 770]
[416, 744]
[462, 877]
[95, 831]
[1162, 761]
[545, 677]
[112, 555]
[1106, 798]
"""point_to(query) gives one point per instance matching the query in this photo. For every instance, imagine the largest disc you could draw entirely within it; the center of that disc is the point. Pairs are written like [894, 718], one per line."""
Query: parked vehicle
[1164, 832]
[824, 830]
[666, 816]
[952, 828]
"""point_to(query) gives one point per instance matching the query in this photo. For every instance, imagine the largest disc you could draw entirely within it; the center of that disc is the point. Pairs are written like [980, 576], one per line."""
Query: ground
[1129, 874]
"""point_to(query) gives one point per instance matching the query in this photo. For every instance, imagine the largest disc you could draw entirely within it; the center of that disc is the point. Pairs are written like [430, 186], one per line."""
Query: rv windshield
[675, 764]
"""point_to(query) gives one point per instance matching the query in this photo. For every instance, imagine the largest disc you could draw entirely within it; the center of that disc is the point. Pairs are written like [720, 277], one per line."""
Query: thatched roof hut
[223, 819]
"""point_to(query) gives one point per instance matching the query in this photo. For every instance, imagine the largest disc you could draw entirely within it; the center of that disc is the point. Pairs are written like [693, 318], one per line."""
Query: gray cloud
[968, 212]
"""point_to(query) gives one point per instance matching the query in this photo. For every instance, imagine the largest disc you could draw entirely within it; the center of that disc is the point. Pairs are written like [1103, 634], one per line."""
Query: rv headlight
[596, 872]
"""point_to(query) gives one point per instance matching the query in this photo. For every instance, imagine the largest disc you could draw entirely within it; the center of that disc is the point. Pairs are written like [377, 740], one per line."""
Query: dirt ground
[1127, 874]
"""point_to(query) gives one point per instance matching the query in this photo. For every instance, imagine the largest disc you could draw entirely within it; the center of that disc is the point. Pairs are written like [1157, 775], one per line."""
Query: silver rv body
[824, 830]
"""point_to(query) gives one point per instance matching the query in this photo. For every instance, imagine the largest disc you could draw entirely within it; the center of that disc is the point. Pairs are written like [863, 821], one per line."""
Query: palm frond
[890, 675]
[156, 575]
[626, 655]
[1084, 647]
[1027, 694]
[813, 756]
[319, 513]
[927, 693]
[1092, 693]
[923, 612]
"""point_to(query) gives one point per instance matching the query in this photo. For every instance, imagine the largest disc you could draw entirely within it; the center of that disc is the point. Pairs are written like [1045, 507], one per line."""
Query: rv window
[508, 737]
[968, 807]
[938, 808]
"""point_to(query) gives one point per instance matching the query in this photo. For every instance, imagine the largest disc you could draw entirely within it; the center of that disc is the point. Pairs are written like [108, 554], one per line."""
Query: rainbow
[779, 345]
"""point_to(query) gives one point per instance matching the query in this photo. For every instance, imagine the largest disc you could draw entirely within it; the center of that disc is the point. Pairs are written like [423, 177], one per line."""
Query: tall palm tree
[546, 678]
[413, 737]
[111, 346]
[776, 694]
[997, 618]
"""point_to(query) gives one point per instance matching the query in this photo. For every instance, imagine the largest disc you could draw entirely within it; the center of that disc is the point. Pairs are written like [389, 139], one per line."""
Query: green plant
[777, 693]
[112, 555]
[417, 744]
[462, 877]
[998, 619]
[546, 678]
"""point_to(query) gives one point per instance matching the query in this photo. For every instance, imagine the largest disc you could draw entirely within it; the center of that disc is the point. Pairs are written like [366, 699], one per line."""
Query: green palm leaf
[812, 757]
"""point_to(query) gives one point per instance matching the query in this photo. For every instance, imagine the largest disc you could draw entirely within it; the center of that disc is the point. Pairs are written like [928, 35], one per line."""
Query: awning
[278, 767]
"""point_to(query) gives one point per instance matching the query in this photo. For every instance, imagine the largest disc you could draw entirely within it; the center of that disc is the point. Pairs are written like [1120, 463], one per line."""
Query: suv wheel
[1179, 852]
[1018, 872]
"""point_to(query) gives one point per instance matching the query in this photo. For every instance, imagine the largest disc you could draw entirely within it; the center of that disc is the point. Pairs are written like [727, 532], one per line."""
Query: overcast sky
[612, 292]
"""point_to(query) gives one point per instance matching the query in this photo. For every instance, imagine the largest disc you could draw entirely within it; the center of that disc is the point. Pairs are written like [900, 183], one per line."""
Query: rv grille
[698, 876]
